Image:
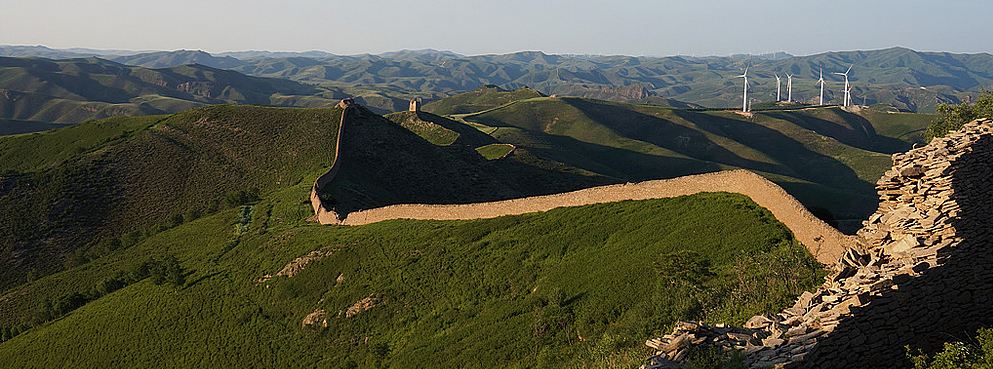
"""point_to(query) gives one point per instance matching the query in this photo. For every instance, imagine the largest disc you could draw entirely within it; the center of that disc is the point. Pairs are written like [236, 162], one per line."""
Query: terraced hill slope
[828, 157]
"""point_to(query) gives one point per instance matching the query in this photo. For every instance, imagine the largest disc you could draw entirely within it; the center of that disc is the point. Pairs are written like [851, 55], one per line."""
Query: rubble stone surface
[919, 274]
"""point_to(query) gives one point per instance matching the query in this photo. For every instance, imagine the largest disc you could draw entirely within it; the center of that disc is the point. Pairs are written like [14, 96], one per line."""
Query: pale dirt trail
[823, 241]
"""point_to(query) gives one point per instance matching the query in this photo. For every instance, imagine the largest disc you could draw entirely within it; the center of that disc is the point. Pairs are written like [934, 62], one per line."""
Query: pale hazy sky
[637, 27]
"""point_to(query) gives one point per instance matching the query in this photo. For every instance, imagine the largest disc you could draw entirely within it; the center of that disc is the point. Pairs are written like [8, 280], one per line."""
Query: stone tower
[415, 104]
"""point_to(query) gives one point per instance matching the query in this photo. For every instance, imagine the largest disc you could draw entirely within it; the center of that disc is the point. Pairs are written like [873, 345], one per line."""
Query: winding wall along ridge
[823, 241]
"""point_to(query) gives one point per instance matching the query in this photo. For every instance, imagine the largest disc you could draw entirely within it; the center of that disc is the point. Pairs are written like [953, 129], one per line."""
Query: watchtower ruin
[415, 104]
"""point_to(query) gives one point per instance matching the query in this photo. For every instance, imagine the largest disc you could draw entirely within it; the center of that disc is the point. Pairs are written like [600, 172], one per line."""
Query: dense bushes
[166, 270]
[953, 116]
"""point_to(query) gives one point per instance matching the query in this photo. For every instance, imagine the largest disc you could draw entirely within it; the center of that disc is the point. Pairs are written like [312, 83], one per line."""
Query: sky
[635, 27]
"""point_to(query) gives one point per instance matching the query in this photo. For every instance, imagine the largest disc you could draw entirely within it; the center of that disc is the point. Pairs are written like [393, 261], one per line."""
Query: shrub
[959, 355]
[168, 270]
[953, 116]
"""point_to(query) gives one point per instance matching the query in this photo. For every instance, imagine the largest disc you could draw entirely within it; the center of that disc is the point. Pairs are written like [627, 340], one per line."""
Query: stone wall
[920, 274]
[823, 241]
[325, 214]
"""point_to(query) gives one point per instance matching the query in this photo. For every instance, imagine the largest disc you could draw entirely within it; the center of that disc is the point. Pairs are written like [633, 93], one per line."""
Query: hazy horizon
[582, 27]
[216, 52]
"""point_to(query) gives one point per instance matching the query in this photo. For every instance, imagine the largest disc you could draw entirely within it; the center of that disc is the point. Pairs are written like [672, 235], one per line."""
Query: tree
[168, 270]
[953, 116]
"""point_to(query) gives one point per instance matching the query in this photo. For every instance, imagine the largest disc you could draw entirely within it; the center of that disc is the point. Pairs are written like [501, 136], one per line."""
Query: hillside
[75, 194]
[75, 90]
[168, 59]
[523, 291]
[828, 158]
[483, 98]
[78, 193]
[390, 163]
[179, 248]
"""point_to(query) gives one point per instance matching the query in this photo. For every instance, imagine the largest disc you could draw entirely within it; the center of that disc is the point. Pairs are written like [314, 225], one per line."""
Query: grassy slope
[101, 181]
[827, 157]
[385, 163]
[579, 286]
[481, 99]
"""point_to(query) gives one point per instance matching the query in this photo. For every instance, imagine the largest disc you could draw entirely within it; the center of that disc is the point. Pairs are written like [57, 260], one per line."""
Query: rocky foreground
[921, 272]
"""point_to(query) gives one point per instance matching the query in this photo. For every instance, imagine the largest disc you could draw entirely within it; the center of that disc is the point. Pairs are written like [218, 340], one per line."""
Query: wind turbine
[847, 86]
[789, 87]
[821, 81]
[744, 98]
[779, 88]
[848, 95]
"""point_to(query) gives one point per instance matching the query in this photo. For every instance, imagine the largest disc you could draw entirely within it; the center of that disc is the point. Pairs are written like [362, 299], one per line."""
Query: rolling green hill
[484, 98]
[75, 90]
[77, 193]
[155, 237]
[390, 163]
[827, 157]
[522, 291]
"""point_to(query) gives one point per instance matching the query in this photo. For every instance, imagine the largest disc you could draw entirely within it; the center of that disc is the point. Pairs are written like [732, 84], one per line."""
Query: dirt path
[824, 242]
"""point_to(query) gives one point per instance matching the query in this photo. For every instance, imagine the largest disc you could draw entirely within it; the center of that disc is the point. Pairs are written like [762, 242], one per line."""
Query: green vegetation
[495, 151]
[75, 194]
[386, 163]
[826, 157]
[521, 291]
[480, 99]
[430, 131]
[959, 355]
[952, 117]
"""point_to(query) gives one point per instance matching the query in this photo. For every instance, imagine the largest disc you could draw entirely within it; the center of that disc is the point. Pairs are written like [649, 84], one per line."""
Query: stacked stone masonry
[919, 274]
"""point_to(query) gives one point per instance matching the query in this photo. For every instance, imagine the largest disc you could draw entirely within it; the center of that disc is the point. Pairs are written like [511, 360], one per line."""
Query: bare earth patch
[362, 306]
[297, 265]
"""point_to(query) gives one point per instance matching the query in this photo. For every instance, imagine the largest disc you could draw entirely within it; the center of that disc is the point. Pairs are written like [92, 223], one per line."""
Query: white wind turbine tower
[848, 95]
[821, 81]
[789, 87]
[847, 86]
[779, 88]
[744, 98]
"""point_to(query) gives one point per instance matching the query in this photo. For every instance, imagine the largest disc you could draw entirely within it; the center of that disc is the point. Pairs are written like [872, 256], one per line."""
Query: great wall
[916, 275]
[823, 241]
[920, 273]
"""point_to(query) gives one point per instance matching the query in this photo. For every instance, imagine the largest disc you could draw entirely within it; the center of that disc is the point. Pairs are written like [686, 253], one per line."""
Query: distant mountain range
[906, 79]
[74, 90]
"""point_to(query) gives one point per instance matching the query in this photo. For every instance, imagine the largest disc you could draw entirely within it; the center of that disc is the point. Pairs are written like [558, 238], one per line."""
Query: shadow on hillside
[945, 303]
[799, 161]
[385, 164]
[467, 135]
[666, 134]
[856, 131]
